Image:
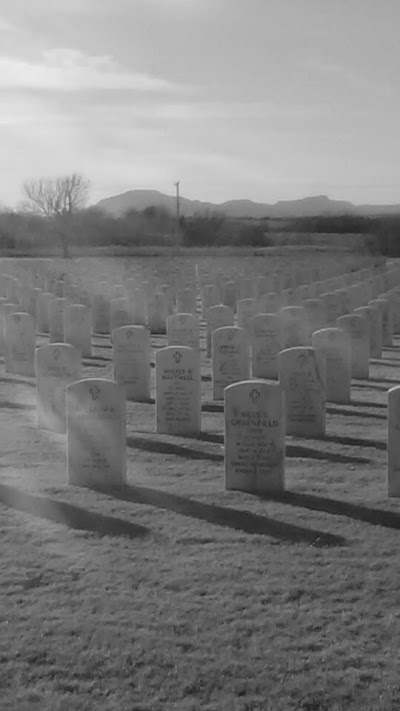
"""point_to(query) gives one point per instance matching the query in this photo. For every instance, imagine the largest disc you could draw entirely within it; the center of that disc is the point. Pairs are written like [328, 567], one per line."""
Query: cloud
[72, 70]
[6, 26]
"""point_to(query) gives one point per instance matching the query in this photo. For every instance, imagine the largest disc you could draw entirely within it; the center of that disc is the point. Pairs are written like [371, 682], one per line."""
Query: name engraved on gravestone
[96, 433]
[302, 379]
[254, 437]
[57, 365]
[131, 360]
[178, 391]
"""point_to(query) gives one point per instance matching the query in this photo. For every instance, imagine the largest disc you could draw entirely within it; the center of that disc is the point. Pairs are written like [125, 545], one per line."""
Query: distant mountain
[320, 205]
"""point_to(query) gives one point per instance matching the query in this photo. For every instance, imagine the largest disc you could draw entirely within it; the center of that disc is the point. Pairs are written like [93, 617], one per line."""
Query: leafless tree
[58, 199]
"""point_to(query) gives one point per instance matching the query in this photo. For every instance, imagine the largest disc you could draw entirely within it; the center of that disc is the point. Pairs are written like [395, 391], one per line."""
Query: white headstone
[333, 347]
[357, 328]
[230, 358]
[374, 318]
[57, 365]
[19, 344]
[56, 323]
[393, 441]
[120, 313]
[101, 314]
[178, 391]
[246, 309]
[78, 328]
[265, 339]
[254, 437]
[183, 330]
[96, 433]
[302, 380]
[131, 360]
[217, 317]
[295, 329]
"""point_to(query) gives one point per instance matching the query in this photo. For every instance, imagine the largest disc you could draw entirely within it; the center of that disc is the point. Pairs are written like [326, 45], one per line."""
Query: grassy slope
[183, 605]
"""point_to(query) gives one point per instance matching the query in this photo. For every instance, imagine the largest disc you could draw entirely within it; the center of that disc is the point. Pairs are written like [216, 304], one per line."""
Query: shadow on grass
[69, 514]
[389, 363]
[376, 517]
[8, 405]
[187, 452]
[364, 403]
[373, 386]
[355, 441]
[222, 516]
[18, 381]
[331, 410]
[88, 360]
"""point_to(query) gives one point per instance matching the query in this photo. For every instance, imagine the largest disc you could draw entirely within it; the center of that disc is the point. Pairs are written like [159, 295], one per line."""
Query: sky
[260, 99]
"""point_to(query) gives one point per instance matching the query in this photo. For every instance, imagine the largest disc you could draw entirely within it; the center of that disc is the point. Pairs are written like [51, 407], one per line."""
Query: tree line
[54, 212]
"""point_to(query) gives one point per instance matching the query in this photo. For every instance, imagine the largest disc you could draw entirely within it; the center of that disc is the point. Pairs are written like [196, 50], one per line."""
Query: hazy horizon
[264, 100]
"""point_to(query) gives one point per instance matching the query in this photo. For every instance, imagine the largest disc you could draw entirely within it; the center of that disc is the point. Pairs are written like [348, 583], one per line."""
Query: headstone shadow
[223, 516]
[68, 514]
[376, 517]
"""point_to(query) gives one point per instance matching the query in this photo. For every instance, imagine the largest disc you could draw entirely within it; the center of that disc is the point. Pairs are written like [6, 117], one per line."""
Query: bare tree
[58, 199]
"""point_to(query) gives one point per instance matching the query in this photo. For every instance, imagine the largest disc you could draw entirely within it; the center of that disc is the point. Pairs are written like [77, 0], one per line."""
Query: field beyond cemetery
[173, 594]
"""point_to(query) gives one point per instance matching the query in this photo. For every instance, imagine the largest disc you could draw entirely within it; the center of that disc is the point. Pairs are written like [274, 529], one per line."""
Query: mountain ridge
[311, 206]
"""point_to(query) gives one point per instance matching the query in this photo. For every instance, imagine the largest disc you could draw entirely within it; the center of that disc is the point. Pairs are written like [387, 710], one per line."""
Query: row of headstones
[255, 429]
[127, 304]
[73, 323]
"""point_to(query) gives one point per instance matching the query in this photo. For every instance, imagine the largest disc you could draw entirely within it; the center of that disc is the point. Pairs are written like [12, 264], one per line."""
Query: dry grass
[176, 595]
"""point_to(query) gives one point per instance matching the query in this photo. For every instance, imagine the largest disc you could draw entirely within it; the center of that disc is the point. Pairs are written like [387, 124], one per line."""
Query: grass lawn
[173, 594]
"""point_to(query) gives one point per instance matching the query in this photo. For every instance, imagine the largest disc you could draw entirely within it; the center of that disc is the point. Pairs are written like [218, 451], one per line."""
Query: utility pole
[178, 216]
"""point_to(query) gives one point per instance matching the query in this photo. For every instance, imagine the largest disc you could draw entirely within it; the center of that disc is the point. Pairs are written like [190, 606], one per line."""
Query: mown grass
[175, 594]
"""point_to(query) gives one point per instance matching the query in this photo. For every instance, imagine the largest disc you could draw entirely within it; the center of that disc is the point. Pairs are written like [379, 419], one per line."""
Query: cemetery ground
[173, 593]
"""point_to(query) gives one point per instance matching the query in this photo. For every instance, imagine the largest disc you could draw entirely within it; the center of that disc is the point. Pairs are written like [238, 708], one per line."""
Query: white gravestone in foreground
[178, 391]
[333, 347]
[265, 341]
[393, 442]
[57, 365]
[96, 433]
[131, 359]
[230, 358]
[19, 344]
[302, 380]
[254, 437]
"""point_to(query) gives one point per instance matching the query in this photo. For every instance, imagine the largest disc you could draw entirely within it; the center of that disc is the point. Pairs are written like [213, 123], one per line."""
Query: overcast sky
[259, 99]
